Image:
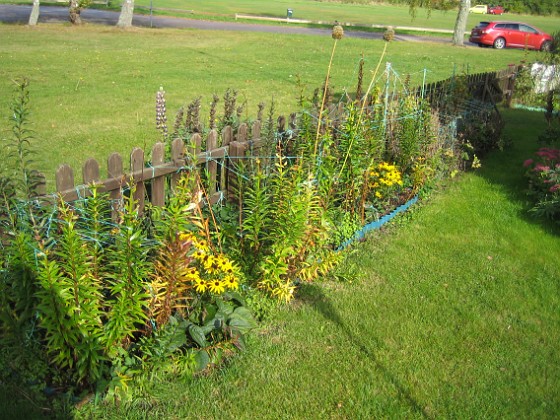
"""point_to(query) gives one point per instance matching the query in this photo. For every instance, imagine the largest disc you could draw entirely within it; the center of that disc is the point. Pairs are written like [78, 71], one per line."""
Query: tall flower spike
[161, 112]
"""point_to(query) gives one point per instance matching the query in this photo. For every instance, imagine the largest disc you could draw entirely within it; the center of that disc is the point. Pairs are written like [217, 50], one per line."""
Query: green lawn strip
[454, 314]
[93, 88]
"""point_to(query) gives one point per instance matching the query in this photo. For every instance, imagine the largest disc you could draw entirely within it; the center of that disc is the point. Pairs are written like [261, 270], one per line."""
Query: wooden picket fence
[223, 151]
[216, 160]
[495, 87]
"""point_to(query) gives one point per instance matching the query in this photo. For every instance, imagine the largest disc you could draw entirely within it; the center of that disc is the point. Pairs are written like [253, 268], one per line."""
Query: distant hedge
[535, 7]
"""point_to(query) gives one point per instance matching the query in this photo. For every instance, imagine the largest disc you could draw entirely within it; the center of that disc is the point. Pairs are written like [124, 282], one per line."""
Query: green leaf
[197, 334]
[209, 311]
[176, 339]
[201, 359]
[242, 320]
[225, 307]
[209, 327]
[236, 296]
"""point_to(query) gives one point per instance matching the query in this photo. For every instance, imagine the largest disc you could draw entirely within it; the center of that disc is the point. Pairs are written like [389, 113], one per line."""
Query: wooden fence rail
[223, 151]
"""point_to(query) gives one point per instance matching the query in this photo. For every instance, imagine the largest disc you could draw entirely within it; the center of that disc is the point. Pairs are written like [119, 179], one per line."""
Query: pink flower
[555, 188]
[541, 168]
[548, 153]
[527, 163]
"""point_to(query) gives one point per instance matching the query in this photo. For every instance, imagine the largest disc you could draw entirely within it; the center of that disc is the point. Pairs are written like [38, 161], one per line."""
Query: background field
[93, 87]
[378, 14]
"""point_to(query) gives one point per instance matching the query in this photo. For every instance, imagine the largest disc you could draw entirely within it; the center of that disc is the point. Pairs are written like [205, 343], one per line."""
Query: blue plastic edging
[360, 234]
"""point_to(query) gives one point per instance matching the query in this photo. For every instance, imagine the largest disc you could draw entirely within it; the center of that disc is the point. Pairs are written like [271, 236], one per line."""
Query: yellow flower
[199, 254]
[216, 286]
[211, 264]
[192, 274]
[225, 264]
[231, 282]
[200, 285]
[202, 245]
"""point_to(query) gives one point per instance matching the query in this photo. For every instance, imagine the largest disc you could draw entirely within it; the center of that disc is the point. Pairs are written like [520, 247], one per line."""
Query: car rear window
[483, 24]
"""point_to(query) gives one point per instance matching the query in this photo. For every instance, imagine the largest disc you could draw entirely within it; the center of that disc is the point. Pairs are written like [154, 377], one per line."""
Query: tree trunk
[461, 22]
[74, 11]
[34, 16]
[127, 11]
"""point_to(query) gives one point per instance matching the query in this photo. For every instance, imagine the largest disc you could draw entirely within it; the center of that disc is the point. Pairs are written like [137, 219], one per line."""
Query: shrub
[543, 174]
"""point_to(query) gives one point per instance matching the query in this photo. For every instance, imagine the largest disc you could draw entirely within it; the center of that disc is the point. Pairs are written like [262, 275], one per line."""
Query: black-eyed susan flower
[216, 286]
[200, 285]
[231, 282]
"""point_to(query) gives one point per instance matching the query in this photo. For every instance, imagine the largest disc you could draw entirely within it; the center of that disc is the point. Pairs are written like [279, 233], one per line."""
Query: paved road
[19, 14]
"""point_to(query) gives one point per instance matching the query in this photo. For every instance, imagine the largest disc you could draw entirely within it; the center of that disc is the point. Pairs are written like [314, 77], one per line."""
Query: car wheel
[546, 45]
[499, 43]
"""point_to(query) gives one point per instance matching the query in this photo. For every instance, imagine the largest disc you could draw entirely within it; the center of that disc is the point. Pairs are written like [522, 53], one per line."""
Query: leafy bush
[543, 174]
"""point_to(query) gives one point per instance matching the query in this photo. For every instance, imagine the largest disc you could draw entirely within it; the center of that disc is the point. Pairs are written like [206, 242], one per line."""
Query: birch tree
[127, 12]
[34, 16]
[461, 22]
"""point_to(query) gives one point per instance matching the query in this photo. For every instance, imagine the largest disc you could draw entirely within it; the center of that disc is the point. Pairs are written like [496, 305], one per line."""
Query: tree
[75, 8]
[127, 12]
[34, 16]
[461, 22]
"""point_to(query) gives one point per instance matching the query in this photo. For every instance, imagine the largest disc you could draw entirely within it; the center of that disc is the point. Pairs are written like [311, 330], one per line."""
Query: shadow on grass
[314, 296]
[505, 169]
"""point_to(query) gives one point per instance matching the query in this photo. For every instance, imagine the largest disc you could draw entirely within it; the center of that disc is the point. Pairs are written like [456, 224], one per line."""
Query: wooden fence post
[158, 184]
[64, 178]
[137, 169]
[242, 132]
[115, 171]
[178, 158]
[90, 171]
[227, 135]
[256, 131]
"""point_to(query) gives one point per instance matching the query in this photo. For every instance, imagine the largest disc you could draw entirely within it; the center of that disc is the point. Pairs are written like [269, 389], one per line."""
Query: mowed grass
[93, 88]
[453, 314]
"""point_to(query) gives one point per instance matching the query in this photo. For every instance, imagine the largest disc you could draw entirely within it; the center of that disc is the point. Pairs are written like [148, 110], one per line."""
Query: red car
[510, 34]
[495, 10]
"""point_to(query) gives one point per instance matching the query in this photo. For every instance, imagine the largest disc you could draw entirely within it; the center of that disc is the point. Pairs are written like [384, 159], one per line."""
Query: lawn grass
[93, 88]
[453, 313]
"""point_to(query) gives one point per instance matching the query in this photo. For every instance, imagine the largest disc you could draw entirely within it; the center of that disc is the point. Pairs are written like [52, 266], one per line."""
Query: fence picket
[227, 135]
[158, 184]
[115, 173]
[137, 168]
[90, 171]
[178, 159]
[211, 164]
[64, 178]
